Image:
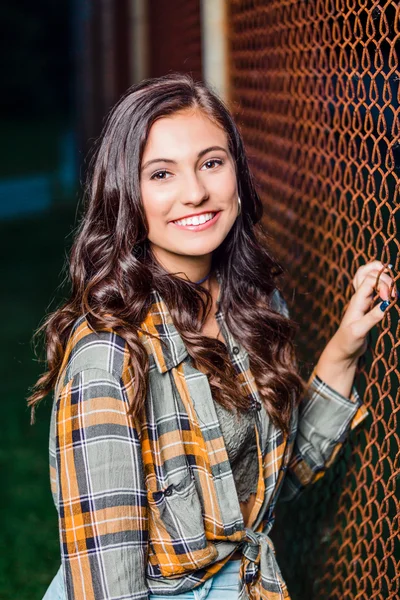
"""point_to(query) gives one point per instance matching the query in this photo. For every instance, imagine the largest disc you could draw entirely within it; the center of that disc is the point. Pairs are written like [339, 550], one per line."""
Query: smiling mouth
[197, 223]
[196, 220]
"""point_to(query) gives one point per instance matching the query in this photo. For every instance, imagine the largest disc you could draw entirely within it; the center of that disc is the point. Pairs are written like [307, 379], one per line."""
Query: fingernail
[383, 306]
[390, 266]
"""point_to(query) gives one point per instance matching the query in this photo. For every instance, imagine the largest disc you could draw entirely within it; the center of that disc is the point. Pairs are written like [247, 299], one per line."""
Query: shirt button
[235, 350]
[168, 491]
[284, 468]
[258, 406]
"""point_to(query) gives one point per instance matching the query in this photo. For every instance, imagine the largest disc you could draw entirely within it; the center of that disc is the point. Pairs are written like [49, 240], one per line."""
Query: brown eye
[159, 175]
[212, 162]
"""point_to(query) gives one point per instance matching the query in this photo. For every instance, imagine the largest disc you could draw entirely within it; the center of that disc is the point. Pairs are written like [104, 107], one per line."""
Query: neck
[193, 268]
[204, 278]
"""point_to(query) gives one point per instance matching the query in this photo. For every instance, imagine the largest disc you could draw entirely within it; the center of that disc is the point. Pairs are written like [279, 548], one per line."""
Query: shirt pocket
[177, 537]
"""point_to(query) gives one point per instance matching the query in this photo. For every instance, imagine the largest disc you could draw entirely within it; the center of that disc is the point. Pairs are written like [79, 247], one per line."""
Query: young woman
[179, 416]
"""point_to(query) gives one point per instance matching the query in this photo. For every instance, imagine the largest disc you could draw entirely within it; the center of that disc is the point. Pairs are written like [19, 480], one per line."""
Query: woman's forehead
[183, 132]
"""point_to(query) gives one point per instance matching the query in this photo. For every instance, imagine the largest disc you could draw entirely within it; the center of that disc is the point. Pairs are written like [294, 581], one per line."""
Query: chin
[197, 249]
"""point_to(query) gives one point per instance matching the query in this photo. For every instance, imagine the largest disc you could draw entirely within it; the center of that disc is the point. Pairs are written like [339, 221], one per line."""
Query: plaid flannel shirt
[151, 507]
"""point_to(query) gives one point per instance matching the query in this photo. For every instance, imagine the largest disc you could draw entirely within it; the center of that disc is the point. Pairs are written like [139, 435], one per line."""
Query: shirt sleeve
[325, 418]
[101, 491]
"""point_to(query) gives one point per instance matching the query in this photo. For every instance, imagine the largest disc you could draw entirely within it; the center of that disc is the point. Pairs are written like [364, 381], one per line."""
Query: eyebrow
[169, 160]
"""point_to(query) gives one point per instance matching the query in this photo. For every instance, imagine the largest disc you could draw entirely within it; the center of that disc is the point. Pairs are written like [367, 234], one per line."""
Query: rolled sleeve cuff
[325, 418]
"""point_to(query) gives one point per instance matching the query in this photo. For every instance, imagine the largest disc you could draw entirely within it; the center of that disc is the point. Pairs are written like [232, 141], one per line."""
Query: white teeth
[196, 220]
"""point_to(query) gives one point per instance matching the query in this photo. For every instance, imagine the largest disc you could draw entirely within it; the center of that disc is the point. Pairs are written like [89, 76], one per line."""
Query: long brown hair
[112, 269]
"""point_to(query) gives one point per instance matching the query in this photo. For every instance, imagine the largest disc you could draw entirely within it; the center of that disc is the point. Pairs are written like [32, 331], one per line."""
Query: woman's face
[187, 170]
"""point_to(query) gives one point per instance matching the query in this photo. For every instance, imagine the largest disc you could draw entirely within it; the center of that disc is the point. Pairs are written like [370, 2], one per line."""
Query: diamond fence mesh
[315, 89]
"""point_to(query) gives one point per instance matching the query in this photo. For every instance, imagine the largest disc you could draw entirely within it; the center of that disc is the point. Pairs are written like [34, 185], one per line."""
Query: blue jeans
[56, 591]
[222, 586]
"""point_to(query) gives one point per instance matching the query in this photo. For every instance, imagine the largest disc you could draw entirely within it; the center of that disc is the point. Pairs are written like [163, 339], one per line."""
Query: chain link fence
[315, 89]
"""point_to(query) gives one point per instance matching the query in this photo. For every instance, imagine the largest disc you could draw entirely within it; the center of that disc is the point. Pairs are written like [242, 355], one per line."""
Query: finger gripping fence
[315, 89]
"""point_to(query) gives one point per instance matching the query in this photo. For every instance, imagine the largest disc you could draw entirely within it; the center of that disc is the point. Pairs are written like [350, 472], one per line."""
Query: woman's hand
[350, 340]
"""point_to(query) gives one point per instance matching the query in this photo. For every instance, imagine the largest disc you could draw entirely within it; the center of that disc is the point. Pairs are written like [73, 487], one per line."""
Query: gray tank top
[241, 445]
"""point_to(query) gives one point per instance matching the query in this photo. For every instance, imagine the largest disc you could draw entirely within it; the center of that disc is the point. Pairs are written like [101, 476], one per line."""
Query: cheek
[156, 203]
[226, 186]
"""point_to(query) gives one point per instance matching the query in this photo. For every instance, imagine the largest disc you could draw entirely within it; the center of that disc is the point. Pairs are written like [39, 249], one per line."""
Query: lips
[200, 227]
[208, 215]
[205, 212]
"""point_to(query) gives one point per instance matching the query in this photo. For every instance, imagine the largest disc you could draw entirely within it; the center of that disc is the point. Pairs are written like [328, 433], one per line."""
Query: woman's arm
[101, 491]
[336, 372]
[325, 417]
[331, 405]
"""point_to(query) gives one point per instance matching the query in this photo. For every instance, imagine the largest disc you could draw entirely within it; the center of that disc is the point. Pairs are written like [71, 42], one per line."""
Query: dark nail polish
[383, 306]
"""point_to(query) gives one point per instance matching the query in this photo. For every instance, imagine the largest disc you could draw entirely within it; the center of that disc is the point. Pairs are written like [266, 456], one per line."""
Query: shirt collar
[167, 347]
[219, 279]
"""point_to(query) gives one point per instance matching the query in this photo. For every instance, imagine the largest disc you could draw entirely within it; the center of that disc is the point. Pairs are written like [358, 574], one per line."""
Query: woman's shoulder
[89, 349]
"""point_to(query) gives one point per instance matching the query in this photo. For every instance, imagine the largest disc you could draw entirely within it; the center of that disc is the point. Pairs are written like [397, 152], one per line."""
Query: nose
[194, 192]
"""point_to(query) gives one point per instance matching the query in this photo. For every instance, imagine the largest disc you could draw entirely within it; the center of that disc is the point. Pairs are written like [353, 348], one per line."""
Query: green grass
[33, 252]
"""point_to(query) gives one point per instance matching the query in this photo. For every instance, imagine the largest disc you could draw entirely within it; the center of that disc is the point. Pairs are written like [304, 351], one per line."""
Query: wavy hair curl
[112, 269]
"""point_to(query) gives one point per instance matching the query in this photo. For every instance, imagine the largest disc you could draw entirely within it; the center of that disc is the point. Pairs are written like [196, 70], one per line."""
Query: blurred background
[314, 87]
